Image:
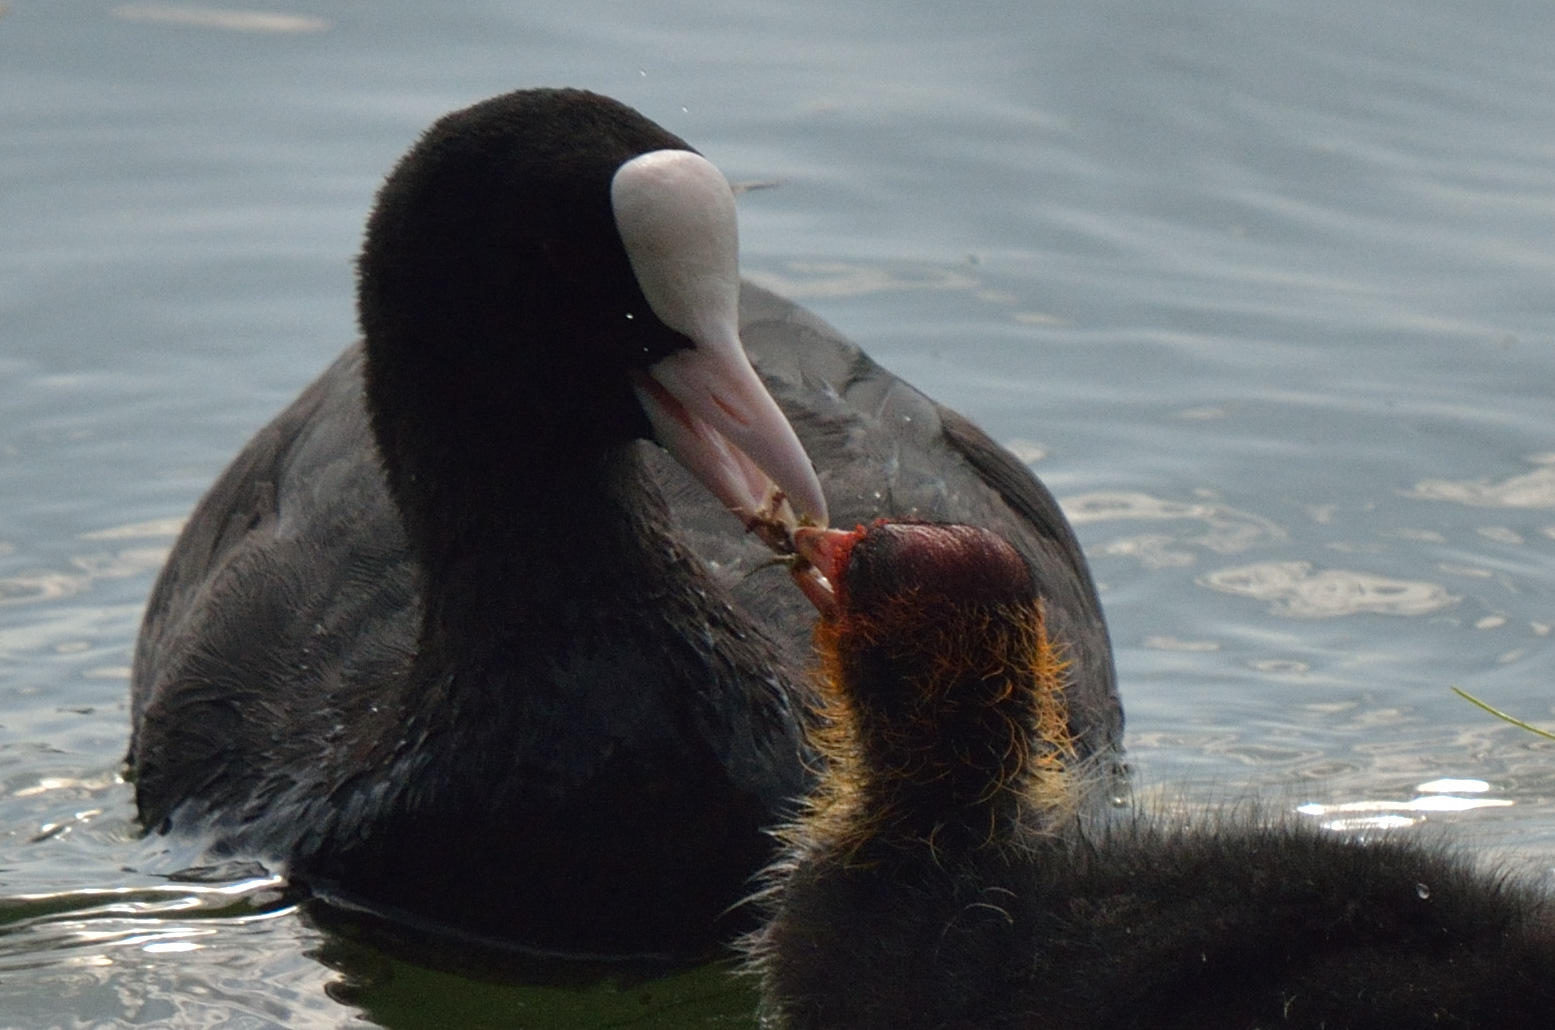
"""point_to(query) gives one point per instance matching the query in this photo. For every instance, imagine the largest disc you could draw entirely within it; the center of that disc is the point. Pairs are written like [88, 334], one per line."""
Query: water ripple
[1296, 591]
[1534, 489]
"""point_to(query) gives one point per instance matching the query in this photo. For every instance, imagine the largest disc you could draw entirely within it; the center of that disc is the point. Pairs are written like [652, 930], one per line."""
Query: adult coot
[455, 639]
[942, 878]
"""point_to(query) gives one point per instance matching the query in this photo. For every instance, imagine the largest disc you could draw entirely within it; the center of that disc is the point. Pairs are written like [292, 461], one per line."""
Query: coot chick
[456, 640]
[942, 879]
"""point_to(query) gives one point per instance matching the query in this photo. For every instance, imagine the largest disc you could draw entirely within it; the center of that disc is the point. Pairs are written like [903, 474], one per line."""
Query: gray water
[1262, 289]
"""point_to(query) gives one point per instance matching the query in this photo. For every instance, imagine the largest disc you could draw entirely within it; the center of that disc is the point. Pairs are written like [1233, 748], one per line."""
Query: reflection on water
[51, 586]
[1266, 295]
[1534, 489]
[808, 280]
[408, 986]
[1442, 795]
[1224, 529]
[160, 954]
[1297, 591]
[207, 955]
[212, 18]
[96, 922]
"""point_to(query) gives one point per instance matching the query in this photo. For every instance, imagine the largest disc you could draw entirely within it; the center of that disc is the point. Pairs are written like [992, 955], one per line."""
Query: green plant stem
[1471, 699]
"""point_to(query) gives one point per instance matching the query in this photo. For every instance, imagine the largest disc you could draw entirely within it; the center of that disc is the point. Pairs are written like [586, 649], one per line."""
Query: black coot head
[493, 264]
[530, 269]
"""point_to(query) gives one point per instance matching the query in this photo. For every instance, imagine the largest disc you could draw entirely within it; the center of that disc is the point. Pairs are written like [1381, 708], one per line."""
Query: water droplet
[1423, 890]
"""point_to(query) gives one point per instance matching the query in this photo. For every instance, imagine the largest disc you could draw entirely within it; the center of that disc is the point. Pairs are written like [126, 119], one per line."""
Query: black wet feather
[985, 898]
[450, 640]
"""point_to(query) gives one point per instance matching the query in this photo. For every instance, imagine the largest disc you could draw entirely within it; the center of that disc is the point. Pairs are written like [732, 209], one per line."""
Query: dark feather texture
[942, 878]
[450, 639]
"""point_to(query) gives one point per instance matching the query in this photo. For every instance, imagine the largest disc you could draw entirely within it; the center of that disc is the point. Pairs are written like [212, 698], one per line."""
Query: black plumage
[944, 878]
[453, 639]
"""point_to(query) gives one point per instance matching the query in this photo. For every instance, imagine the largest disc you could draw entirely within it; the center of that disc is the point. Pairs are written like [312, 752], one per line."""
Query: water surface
[1263, 290]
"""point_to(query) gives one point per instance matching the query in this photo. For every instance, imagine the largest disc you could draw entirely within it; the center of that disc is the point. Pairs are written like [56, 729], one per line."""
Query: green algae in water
[397, 978]
[402, 995]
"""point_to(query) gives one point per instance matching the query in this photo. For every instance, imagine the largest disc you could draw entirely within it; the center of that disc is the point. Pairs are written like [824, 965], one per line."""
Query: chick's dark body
[943, 876]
